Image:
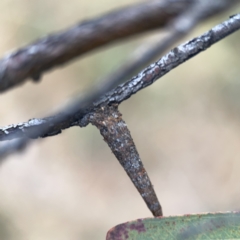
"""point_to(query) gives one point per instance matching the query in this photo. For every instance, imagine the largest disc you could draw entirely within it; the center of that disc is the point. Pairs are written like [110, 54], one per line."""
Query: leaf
[197, 226]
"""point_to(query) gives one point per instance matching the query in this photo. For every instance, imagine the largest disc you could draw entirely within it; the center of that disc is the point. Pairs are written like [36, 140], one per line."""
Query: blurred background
[186, 127]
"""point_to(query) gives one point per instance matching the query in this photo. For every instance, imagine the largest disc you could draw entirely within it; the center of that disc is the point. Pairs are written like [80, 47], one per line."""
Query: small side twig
[116, 134]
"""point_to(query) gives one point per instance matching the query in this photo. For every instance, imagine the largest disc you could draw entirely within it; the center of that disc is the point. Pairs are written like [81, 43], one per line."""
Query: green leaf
[199, 226]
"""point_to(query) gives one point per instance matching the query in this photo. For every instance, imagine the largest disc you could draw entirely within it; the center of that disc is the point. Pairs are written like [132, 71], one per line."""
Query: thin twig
[53, 125]
[177, 29]
[116, 134]
[16, 145]
[56, 49]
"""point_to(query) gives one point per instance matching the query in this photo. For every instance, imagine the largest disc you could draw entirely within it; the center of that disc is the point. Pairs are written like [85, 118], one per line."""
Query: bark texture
[56, 49]
[116, 134]
[78, 112]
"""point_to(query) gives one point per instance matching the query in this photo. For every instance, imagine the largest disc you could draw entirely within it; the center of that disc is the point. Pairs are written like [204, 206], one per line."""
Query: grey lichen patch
[116, 134]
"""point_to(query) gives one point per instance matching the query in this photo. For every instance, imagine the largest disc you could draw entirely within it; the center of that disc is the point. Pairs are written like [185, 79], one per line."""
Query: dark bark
[56, 49]
[77, 113]
[116, 134]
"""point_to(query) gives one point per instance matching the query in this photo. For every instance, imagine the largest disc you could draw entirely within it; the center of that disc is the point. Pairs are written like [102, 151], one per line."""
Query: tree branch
[77, 113]
[177, 28]
[56, 49]
[103, 113]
